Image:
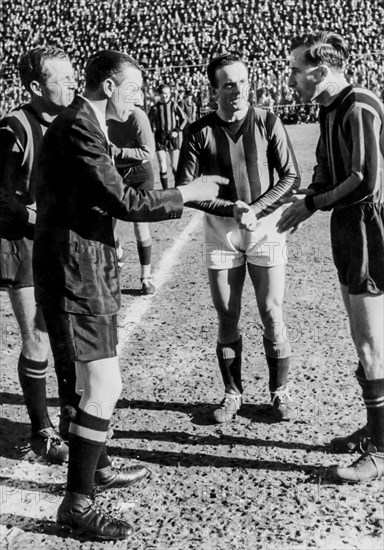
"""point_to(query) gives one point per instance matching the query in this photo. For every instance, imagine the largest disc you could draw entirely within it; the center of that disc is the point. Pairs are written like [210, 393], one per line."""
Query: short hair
[31, 64]
[220, 61]
[163, 87]
[107, 64]
[323, 47]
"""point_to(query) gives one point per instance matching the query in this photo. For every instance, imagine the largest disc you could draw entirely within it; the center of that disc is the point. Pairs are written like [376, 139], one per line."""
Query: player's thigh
[174, 156]
[226, 287]
[347, 304]
[162, 159]
[269, 285]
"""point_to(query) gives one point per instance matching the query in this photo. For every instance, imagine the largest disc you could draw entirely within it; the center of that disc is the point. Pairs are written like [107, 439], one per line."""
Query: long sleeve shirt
[350, 151]
[134, 138]
[249, 153]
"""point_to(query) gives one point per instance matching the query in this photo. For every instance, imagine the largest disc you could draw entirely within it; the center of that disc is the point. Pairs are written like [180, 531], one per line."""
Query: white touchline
[137, 308]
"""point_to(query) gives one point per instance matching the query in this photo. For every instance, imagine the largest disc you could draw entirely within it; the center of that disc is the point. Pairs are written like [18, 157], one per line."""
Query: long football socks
[278, 359]
[87, 436]
[32, 380]
[229, 358]
[164, 180]
[373, 395]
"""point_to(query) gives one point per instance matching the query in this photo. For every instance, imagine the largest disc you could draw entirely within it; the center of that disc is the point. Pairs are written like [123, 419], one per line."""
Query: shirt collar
[100, 117]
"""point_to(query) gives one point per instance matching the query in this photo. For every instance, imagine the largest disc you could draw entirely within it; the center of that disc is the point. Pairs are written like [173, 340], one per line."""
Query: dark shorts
[86, 337]
[139, 177]
[16, 263]
[164, 141]
[357, 235]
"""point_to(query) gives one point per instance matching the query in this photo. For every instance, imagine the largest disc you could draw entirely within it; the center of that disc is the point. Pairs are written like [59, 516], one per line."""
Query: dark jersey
[350, 152]
[21, 134]
[249, 153]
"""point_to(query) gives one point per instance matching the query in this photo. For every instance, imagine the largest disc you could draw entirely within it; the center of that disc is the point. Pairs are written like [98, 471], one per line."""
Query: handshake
[245, 216]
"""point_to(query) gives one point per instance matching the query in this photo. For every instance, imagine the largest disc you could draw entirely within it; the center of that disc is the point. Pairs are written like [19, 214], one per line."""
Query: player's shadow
[43, 527]
[7, 398]
[214, 440]
[132, 291]
[203, 460]
[201, 414]
[13, 436]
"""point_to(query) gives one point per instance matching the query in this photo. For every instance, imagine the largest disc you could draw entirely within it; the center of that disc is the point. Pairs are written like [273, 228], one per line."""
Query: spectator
[175, 33]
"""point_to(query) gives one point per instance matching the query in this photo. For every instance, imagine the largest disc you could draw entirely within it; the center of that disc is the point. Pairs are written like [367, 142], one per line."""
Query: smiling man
[76, 271]
[250, 147]
[348, 179]
[47, 75]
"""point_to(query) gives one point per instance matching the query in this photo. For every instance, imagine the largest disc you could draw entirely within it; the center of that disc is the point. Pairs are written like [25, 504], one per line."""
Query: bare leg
[35, 342]
[162, 159]
[269, 285]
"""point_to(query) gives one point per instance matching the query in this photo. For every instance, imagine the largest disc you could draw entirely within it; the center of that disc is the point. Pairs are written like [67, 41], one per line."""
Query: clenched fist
[245, 216]
[203, 188]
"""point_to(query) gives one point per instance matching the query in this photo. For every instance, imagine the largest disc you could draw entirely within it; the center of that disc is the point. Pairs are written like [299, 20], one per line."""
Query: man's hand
[297, 194]
[116, 151]
[203, 188]
[174, 134]
[245, 216]
[293, 216]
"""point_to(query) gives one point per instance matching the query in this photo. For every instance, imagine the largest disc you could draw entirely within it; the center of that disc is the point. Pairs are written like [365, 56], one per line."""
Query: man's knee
[35, 344]
[106, 388]
[227, 316]
[272, 318]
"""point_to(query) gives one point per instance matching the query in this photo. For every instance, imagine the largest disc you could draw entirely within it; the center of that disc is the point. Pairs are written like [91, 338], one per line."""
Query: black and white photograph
[192, 274]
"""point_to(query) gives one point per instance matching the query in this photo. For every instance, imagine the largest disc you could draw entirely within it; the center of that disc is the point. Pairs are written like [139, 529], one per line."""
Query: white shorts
[227, 246]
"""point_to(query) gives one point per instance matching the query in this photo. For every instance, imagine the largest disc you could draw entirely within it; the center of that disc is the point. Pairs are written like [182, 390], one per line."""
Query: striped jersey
[350, 151]
[21, 134]
[249, 153]
[167, 117]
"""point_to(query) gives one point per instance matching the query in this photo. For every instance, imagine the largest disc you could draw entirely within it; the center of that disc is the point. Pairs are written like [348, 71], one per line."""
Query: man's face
[125, 95]
[59, 85]
[303, 78]
[165, 95]
[232, 87]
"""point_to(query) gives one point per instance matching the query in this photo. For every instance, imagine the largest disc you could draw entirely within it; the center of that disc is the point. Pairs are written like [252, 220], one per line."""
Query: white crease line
[138, 307]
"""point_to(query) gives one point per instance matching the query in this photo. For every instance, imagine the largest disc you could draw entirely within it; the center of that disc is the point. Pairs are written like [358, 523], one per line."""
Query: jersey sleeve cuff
[309, 203]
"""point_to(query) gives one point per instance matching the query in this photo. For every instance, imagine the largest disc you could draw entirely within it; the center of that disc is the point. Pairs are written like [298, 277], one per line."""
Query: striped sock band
[373, 394]
[278, 360]
[32, 381]
[87, 436]
[229, 358]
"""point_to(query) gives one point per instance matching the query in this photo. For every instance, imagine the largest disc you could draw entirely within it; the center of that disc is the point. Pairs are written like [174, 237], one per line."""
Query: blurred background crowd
[174, 39]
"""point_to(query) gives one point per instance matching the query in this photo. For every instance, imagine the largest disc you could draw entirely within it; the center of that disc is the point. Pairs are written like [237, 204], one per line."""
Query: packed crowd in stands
[173, 39]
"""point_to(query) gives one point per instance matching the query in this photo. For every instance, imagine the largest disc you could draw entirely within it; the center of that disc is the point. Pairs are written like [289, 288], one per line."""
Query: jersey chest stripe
[239, 169]
[162, 117]
[256, 161]
[223, 156]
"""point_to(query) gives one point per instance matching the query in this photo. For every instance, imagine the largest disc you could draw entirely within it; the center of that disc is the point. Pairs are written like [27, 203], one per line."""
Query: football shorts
[226, 245]
[357, 236]
[140, 176]
[87, 337]
[164, 141]
[16, 263]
